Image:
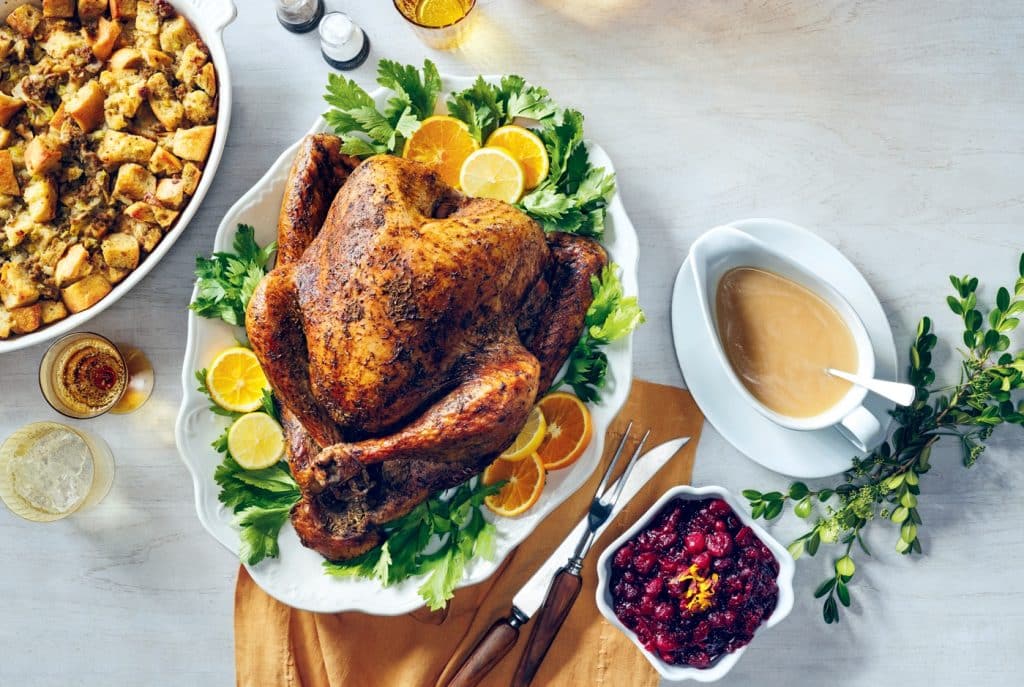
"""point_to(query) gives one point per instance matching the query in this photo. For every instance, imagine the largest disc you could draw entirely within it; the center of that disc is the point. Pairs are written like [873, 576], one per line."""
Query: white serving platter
[209, 18]
[296, 577]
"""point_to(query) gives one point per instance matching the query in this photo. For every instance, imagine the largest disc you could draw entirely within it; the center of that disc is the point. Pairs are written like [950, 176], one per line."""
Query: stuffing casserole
[107, 112]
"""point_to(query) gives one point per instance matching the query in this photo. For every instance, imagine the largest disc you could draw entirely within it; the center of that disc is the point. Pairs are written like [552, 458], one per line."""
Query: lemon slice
[256, 441]
[525, 146]
[493, 173]
[236, 381]
[443, 143]
[529, 438]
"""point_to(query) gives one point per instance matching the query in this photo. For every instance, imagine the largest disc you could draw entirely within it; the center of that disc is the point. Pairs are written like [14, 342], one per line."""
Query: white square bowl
[724, 663]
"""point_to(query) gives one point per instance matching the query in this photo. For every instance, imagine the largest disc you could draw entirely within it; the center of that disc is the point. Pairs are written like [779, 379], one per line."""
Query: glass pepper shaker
[300, 16]
[343, 44]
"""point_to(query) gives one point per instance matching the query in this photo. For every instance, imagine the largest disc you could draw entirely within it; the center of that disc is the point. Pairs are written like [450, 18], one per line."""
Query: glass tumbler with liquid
[49, 471]
[440, 24]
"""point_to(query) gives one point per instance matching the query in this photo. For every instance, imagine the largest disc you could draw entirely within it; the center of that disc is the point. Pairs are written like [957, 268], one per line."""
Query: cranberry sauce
[695, 584]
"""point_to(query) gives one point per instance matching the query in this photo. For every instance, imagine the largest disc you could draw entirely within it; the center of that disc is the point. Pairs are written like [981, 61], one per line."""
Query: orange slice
[529, 437]
[569, 430]
[525, 483]
[526, 147]
[444, 143]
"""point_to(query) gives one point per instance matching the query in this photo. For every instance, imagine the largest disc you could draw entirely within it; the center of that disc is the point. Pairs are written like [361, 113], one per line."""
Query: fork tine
[609, 500]
[615, 459]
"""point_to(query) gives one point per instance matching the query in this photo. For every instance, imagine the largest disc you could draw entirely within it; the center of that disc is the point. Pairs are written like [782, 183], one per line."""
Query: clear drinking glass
[49, 471]
[83, 375]
[440, 24]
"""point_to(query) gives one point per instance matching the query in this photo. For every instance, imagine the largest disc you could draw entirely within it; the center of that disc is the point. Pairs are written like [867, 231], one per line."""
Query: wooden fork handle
[491, 648]
[565, 587]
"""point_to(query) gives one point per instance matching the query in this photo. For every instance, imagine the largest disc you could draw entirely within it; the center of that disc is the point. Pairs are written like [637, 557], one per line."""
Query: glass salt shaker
[300, 16]
[343, 44]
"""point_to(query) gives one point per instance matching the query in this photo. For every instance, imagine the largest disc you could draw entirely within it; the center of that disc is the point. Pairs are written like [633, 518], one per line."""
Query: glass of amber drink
[84, 375]
[440, 24]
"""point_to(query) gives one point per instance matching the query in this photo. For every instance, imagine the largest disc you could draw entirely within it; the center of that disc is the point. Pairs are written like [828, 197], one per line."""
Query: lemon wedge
[529, 438]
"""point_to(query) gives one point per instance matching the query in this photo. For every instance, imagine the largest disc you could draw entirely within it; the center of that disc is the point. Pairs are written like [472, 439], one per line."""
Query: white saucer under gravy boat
[724, 248]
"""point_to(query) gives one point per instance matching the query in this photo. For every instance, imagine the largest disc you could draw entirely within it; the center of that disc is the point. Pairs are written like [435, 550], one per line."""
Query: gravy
[779, 337]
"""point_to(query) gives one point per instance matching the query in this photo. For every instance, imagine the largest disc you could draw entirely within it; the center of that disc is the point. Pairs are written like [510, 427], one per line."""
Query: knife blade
[502, 636]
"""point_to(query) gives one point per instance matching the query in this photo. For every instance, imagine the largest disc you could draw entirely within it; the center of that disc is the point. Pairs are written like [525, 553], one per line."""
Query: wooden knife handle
[565, 587]
[491, 648]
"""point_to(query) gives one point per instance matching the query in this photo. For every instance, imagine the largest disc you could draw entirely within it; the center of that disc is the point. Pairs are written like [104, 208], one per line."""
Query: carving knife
[502, 636]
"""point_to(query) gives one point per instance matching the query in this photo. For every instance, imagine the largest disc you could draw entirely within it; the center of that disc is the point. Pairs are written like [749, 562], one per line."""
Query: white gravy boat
[725, 248]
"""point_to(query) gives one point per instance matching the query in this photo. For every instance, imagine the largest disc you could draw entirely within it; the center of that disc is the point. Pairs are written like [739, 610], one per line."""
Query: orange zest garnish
[569, 430]
[700, 590]
[524, 484]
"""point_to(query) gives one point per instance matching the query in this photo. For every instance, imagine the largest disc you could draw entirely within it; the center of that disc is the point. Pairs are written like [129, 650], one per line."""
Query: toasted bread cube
[86, 106]
[117, 147]
[121, 251]
[25, 19]
[190, 175]
[107, 33]
[51, 311]
[175, 34]
[26, 319]
[85, 293]
[146, 18]
[161, 100]
[122, 8]
[126, 58]
[6, 45]
[148, 235]
[8, 180]
[9, 106]
[91, 9]
[41, 198]
[5, 137]
[134, 182]
[5, 323]
[163, 162]
[64, 9]
[17, 287]
[199, 107]
[59, 44]
[151, 214]
[60, 115]
[207, 79]
[171, 192]
[42, 155]
[72, 267]
[156, 59]
[193, 144]
[190, 63]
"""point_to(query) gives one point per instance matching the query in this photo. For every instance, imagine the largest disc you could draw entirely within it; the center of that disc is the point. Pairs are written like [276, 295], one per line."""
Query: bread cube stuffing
[85, 293]
[122, 8]
[151, 214]
[192, 60]
[86, 106]
[117, 147]
[8, 181]
[190, 175]
[52, 311]
[59, 44]
[161, 100]
[16, 286]
[126, 58]
[163, 162]
[9, 106]
[199, 107]
[72, 267]
[41, 198]
[107, 33]
[146, 19]
[207, 79]
[171, 193]
[91, 9]
[25, 19]
[175, 34]
[134, 182]
[42, 155]
[64, 9]
[26, 319]
[193, 144]
[5, 137]
[121, 251]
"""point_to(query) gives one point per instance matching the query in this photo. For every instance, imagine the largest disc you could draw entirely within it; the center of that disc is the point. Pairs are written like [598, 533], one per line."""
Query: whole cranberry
[664, 612]
[629, 576]
[719, 508]
[693, 543]
[745, 537]
[702, 560]
[735, 601]
[721, 619]
[665, 642]
[720, 526]
[629, 591]
[722, 564]
[701, 631]
[644, 563]
[698, 659]
[654, 586]
[646, 607]
[719, 544]
[667, 539]
[623, 556]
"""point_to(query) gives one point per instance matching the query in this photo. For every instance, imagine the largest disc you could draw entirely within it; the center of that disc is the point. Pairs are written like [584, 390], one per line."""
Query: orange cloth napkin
[278, 646]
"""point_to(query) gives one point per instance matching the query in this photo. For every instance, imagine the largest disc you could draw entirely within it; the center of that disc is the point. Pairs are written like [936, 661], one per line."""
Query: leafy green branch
[886, 484]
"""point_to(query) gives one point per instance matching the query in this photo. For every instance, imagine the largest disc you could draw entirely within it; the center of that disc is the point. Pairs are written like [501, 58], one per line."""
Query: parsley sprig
[886, 484]
[610, 317]
[484, 106]
[409, 551]
[227, 280]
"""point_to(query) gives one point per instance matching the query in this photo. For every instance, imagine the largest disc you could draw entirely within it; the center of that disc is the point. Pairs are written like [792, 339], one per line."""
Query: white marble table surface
[893, 129]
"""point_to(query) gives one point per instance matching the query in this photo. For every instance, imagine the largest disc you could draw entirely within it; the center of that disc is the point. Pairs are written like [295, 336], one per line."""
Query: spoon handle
[902, 394]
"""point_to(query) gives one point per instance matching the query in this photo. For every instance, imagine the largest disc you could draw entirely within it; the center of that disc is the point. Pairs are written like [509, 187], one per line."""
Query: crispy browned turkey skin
[406, 331]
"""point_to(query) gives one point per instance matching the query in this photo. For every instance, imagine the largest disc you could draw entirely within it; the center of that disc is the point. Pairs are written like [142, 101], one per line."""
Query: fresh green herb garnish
[484, 106]
[885, 485]
[367, 130]
[227, 280]
[464, 533]
[610, 317]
